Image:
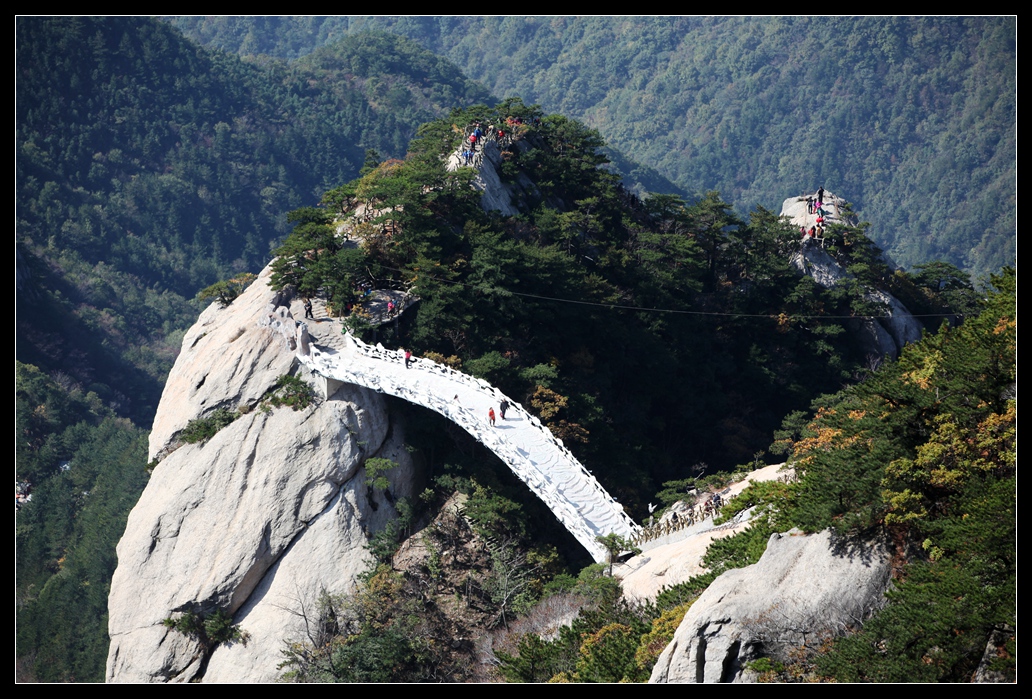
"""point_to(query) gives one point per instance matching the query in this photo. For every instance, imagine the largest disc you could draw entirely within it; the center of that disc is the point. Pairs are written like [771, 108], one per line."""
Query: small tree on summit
[226, 291]
[302, 258]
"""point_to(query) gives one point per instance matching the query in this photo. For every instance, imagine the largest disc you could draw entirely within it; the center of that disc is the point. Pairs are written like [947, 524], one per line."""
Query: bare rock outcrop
[226, 361]
[259, 520]
[803, 588]
[836, 210]
[495, 194]
[675, 558]
[884, 336]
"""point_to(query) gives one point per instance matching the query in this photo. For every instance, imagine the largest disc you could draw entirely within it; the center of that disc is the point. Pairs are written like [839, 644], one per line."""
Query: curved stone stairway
[521, 441]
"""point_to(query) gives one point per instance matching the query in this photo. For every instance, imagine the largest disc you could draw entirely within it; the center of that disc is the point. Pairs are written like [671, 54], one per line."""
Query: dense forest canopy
[910, 118]
[722, 335]
[86, 469]
[149, 168]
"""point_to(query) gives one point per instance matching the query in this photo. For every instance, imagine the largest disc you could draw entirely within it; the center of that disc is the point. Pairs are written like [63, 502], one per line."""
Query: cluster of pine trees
[926, 449]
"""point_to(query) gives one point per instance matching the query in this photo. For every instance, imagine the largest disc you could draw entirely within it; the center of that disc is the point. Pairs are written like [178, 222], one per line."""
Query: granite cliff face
[261, 519]
[495, 194]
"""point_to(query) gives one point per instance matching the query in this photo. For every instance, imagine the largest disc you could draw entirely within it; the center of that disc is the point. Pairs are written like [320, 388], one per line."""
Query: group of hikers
[477, 133]
[502, 408]
[815, 206]
[362, 292]
[680, 520]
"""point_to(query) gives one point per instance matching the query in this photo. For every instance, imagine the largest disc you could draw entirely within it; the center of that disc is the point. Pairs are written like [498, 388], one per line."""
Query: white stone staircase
[537, 457]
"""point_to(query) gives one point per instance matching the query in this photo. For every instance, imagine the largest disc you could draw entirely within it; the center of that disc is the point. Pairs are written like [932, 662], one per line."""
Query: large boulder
[803, 589]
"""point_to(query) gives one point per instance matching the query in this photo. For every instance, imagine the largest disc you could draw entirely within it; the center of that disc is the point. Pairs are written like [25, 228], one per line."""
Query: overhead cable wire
[679, 311]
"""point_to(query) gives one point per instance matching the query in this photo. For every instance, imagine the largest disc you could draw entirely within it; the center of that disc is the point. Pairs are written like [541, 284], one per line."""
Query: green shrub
[655, 641]
[209, 630]
[765, 665]
[673, 595]
[376, 473]
[607, 655]
[204, 428]
[226, 291]
[291, 391]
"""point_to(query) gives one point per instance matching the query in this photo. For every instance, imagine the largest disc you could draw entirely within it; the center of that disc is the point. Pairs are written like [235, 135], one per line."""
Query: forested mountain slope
[925, 450]
[83, 468]
[912, 119]
[149, 168]
[642, 332]
[648, 332]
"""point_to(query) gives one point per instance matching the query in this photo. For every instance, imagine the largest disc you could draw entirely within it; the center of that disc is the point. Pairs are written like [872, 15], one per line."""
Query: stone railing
[691, 517]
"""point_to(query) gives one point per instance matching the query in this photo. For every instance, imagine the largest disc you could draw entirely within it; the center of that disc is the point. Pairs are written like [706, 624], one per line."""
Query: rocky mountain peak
[259, 520]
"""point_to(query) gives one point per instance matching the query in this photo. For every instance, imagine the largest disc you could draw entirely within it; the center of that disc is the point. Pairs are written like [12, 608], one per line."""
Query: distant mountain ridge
[912, 119]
